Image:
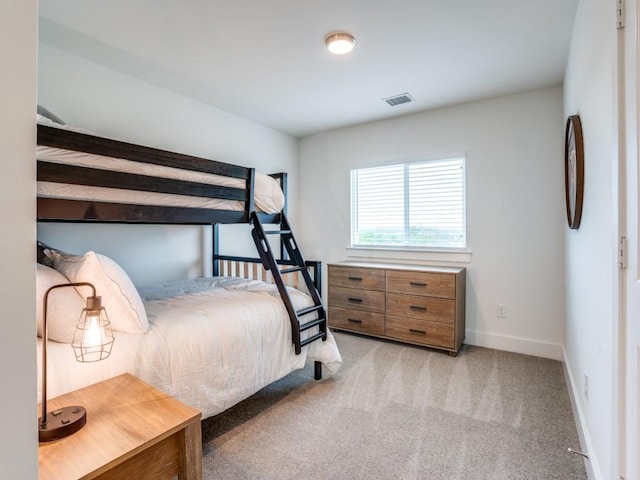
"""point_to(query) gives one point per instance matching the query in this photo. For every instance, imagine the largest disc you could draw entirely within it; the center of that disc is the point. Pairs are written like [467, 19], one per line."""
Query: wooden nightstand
[133, 431]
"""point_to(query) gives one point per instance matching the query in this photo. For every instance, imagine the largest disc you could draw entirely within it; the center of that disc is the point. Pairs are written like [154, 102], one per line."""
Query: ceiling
[266, 60]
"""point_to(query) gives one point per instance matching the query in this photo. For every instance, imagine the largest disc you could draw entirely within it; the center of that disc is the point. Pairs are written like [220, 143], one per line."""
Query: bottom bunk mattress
[212, 342]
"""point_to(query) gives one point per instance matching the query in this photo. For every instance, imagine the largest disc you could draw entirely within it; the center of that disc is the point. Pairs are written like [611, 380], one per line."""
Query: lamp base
[61, 423]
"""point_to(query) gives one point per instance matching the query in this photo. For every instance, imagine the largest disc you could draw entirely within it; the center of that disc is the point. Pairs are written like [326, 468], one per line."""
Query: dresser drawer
[357, 320]
[355, 298]
[420, 331]
[422, 283]
[353, 277]
[423, 308]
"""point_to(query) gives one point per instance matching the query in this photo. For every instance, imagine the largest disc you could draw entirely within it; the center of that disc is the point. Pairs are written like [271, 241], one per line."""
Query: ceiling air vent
[399, 99]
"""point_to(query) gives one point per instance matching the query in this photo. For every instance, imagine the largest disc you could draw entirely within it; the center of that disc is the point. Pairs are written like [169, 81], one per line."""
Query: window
[419, 204]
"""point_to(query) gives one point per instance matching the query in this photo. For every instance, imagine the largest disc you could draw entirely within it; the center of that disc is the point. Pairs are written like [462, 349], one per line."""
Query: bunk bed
[211, 342]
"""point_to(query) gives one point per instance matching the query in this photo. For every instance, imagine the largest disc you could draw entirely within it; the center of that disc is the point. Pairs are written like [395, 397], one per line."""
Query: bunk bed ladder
[295, 263]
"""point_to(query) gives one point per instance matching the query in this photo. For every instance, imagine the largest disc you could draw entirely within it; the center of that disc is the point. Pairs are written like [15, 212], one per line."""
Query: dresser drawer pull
[420, 309]
[355, 300]
[355, 279]
[417, 332]
[417, 284]
[353, 320]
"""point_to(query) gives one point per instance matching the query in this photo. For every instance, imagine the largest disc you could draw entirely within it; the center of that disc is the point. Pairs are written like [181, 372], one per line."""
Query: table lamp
[92, 341]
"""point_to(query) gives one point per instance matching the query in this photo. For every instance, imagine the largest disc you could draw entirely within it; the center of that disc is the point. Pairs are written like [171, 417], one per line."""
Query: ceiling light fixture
[340, 43]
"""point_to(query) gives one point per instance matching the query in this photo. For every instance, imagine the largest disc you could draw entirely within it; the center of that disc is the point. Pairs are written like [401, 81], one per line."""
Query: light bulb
[92, 336]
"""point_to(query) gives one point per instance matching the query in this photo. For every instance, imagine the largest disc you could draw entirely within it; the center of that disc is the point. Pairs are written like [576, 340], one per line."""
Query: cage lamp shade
[340, 43]
[93, 338]
[92, 341]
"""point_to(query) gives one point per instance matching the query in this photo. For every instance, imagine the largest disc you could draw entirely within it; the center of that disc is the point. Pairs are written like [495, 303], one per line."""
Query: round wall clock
[573, 170]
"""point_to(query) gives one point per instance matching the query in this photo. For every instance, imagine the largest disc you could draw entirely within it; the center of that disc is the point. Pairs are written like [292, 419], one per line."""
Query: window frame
[364, 247]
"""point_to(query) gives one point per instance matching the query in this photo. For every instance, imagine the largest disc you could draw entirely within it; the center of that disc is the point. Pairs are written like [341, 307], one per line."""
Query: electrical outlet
[502, 310]
[586, 386]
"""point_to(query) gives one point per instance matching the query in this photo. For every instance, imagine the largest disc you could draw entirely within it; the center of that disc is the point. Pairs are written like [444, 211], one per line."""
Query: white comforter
[212, 343]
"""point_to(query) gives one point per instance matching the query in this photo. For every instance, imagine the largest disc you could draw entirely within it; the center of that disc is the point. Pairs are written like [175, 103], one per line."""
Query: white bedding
[269, 197]
[212, 343]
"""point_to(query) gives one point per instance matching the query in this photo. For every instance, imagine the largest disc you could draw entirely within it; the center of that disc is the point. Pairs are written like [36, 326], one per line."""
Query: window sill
[406, 255]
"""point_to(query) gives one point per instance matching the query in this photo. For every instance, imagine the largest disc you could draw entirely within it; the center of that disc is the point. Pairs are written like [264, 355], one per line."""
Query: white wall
[515, 205]
[19, 439]
[112, 104]
[591, 269]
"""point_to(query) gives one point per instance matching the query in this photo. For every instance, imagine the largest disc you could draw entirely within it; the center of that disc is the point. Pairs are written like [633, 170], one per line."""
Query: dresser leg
[453, 354]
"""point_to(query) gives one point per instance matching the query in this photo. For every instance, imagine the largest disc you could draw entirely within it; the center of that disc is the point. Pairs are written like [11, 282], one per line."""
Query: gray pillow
[42, 257]
[47, 114]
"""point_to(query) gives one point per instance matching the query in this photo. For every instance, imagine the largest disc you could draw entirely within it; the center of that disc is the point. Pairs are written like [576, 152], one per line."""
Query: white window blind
[418, 204]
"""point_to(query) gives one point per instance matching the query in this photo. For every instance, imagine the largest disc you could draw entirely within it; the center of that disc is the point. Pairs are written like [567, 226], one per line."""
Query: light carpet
[400, 412]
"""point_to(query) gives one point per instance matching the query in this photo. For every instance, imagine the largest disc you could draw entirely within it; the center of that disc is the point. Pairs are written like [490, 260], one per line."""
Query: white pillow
[64, 305]
[120, 298]
[269, 196]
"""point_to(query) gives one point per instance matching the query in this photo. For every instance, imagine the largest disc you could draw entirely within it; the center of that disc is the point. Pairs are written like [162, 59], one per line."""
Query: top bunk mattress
[268, 195]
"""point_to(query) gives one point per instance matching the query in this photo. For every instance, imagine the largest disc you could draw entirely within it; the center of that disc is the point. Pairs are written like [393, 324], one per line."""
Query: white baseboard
[591, 464]
[515, 344]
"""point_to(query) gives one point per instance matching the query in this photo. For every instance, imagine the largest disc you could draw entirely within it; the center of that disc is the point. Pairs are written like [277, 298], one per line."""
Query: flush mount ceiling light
[340, 43]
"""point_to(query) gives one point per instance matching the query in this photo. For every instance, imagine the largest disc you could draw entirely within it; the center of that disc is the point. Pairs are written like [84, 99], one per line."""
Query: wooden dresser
[413, 304]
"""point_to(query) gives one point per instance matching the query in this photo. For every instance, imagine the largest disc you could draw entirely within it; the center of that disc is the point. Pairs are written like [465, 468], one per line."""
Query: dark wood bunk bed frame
[86, 211]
